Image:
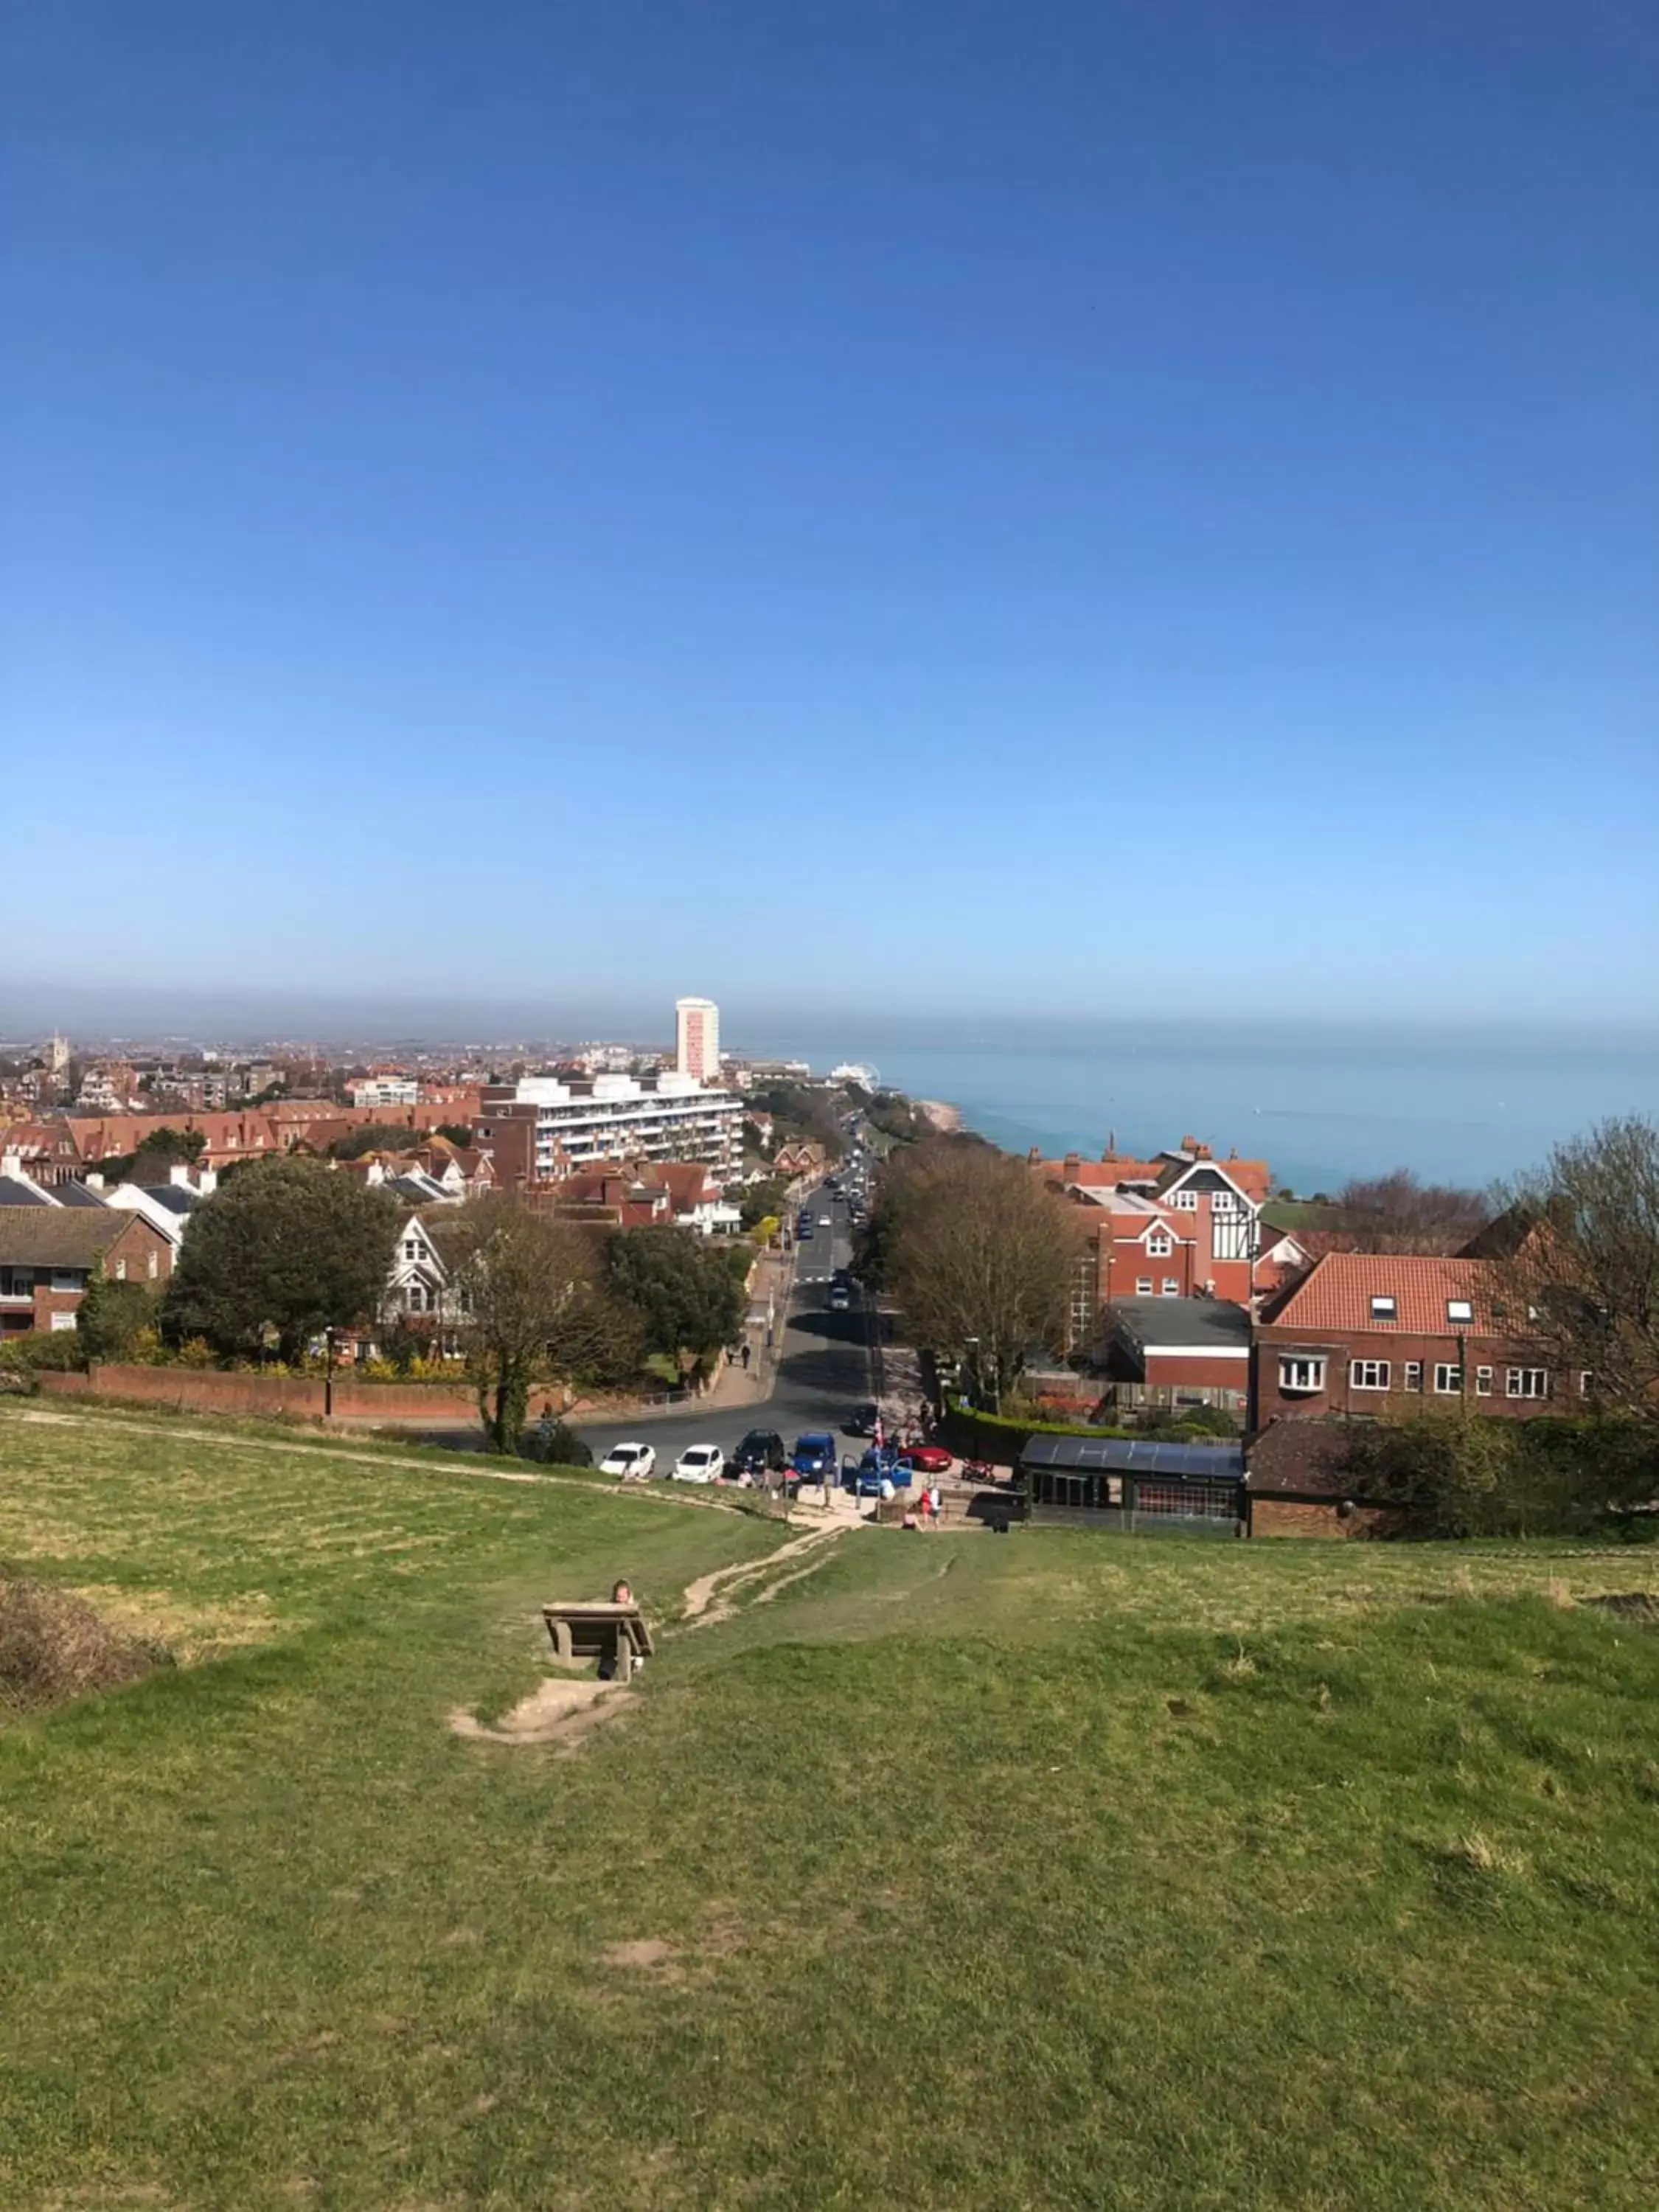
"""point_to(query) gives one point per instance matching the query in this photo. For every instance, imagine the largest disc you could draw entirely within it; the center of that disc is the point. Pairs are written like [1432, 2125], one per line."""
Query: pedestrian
[935, 1502]
[746, 1356]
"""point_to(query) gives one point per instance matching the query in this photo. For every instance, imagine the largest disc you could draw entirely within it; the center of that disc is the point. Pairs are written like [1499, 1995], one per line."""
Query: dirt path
[558, 1711]
[712, 1598]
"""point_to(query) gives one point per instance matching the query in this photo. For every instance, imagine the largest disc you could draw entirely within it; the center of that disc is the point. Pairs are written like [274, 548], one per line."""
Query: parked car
[872, 1470]
[699, 1463]
[814, 1457]
[928, 1459]
[862, 1421]
[633, 1462]
[841, 1299]
[761, 1449]
[826, 1221]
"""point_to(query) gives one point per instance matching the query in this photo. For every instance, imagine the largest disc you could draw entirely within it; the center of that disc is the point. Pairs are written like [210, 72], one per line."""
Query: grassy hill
[930, 1871]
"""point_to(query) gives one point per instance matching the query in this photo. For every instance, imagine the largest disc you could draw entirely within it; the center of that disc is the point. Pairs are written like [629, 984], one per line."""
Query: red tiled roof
[1337, 1294]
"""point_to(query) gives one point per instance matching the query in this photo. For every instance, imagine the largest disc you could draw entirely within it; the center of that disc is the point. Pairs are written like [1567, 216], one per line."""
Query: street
[823, 1371]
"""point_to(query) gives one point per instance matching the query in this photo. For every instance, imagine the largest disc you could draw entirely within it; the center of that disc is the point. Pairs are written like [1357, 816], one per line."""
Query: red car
[927, 1459]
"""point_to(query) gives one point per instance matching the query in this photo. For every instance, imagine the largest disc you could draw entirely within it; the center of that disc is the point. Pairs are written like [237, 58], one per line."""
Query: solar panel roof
[1132, 1456]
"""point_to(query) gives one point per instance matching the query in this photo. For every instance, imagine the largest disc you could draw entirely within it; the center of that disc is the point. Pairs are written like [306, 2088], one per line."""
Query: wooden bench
[583, 1629]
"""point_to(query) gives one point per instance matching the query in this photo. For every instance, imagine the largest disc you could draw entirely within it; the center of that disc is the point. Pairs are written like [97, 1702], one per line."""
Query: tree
[979, 1255]
[525, 1284]
[374, 1137]
[290, 1244]
[1576, 1255]
[111, 1316]
[1397, 1214]
[161, 1151]
[458, 1133]
[763, 1201]
[689, 1296]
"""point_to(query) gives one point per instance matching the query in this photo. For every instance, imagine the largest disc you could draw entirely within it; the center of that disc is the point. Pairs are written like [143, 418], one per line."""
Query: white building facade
[545, 1126]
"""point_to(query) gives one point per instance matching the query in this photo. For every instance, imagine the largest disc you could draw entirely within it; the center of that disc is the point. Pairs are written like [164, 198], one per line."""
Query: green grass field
[962, 1871]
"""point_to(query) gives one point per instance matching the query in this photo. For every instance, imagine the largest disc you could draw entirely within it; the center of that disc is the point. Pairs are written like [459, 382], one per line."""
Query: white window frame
[1413, 1375]
[1301, 1374]
[1483, 1382]
[1448, 1379]
[1171, 1287]
[1385, 1307]
[1518, 1382]
[1369, 1374]
[1159, 1245]
[1185, 1201]
[1142, 1286]
[1460, 1309]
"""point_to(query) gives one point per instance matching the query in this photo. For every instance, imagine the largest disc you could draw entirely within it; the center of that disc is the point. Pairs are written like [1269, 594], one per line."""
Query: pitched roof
[1337, 1294]
[58, 1236]
[15, 1192]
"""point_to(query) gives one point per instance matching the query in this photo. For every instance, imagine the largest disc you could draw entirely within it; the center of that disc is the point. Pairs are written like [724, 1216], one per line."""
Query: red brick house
[1175, 1352]
[1367, 1333]
[48, 1255]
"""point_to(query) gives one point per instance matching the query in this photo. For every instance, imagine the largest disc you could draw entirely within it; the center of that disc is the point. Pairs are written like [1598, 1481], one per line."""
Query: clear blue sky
[836, 503]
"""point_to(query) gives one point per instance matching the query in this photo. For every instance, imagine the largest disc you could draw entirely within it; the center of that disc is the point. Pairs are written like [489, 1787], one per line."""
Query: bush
[557, 1444]
[53, 1645]
[1457, 1474]
[55, 1350]
[112, 1316]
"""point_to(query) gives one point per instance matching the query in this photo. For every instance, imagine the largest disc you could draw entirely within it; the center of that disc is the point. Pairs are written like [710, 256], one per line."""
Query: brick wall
[1340, 1350]
[206, 1390]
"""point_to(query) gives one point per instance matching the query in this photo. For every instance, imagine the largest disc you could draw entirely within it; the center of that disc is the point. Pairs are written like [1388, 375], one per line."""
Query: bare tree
[526, 1287]
[979, 1255]
[1577, 1255]
[1397, 1214]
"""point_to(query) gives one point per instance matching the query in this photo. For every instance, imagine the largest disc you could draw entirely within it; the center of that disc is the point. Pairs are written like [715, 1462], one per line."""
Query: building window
[1483, 1382]
[1223, 1202]
[61, 1321]
[1585, 1379]
[1185, 1201]
[1142, 1286]
[1448, 1379]
[1296, 1374]
[65, 1279]
[1368, 1374]
[1527, 1382]
[415, 1298]
[1413, 1375]
[1460, 1309]
[154, 1266]
[120, 1271]
[1159, 1245]
[1384, 1310]
[1171, 1287]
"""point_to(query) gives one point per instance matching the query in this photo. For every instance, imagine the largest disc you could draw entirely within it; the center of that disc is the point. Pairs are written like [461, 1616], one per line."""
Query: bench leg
[562, 1650]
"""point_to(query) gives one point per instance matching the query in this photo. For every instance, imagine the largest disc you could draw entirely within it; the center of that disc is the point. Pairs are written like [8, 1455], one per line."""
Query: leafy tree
[525, 1282]
[979, 1255]
[1577, 1254]
[161, 1151]
[289, 1244]
[689, 1296]
[1455, 1473]
[110, 1316]
[374, 1137]
[763, 1201]
[1397, 1214]
[458, 1132]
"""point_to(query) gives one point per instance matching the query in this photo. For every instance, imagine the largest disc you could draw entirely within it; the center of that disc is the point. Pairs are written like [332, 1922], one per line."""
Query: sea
[1468, 1106]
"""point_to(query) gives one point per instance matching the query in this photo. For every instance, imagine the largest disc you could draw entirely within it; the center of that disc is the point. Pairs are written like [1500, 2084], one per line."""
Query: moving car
[699, 1463]
[633, 1462]
[928, 1459]
[761, 1449]
[814, 1459]
[862, 1421]
[840, 1297]
[826, 1221]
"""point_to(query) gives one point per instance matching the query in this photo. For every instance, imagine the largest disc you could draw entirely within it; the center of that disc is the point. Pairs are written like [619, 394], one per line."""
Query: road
[823, 1371]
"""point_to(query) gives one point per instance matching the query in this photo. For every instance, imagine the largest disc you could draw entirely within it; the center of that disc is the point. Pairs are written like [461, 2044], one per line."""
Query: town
[1127, 1306]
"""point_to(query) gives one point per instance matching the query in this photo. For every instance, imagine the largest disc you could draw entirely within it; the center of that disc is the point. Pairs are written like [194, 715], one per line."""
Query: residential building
[543, 1127]
[387, 1087]
[49, 1252]
[1179, 1351]
[698, 1039]
[1367, 1333]
[166, 1206]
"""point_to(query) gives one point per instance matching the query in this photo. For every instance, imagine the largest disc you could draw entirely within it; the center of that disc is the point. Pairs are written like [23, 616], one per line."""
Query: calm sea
[1319, 1105]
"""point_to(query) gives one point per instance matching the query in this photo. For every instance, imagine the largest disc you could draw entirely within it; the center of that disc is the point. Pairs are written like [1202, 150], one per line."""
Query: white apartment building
[384, 1090]
[698, 1039]
[543, 1125]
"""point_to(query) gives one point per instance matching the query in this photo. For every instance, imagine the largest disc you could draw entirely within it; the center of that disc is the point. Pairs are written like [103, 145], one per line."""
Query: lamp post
[328, 1373]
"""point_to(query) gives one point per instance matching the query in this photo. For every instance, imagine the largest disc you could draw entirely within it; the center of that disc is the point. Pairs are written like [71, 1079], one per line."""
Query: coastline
[943, 1119]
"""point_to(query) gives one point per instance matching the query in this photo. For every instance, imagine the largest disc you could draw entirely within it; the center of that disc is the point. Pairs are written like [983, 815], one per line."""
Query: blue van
[814, 1459]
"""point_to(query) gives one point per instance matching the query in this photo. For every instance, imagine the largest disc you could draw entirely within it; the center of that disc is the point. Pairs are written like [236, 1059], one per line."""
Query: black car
[760, 1450]
[862, 1421]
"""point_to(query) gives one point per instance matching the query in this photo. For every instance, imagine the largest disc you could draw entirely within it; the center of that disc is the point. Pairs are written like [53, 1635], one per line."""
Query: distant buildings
[542, 1128]
[384, 1087]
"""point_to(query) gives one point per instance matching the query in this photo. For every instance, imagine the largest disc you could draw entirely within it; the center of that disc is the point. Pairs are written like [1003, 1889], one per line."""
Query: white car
[633, 1462]
[826, 1221]
[699, 1463]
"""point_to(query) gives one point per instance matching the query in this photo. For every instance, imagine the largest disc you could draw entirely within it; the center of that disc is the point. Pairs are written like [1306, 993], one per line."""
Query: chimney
[94, 1182]
[1071, 1164]
[12, 1164]
[207, 1182]
[179, 1173]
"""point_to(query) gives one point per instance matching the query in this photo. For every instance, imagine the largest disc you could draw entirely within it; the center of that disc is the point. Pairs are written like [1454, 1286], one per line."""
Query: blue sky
[836, 503]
